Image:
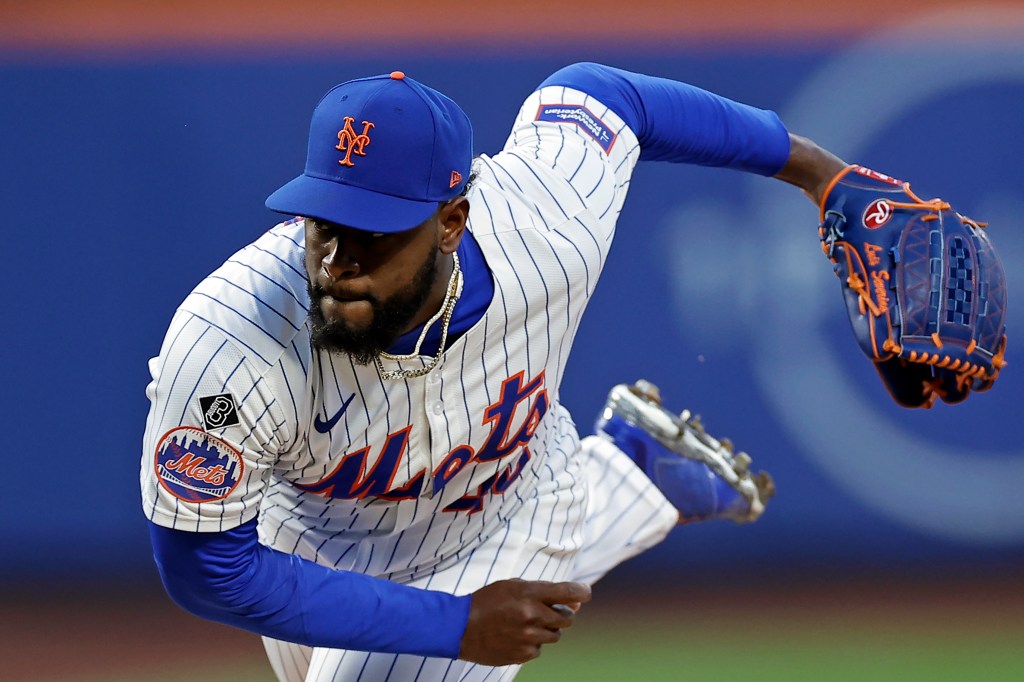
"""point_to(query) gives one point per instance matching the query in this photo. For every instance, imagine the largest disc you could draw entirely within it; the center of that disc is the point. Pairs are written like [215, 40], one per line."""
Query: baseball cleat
[698, 473]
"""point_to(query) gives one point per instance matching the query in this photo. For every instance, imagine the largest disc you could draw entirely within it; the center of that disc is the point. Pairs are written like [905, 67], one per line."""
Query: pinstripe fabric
[543, 212]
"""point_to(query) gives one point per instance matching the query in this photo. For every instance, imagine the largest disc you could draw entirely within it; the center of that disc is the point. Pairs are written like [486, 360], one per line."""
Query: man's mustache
[318, 291]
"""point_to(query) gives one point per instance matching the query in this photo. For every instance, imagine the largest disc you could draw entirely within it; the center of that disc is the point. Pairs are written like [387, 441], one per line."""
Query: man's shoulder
[258, 298]
[516, 192]
[277, 257]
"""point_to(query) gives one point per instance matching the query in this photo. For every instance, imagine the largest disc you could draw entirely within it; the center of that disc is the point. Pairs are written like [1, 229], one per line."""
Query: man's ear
[453, 217]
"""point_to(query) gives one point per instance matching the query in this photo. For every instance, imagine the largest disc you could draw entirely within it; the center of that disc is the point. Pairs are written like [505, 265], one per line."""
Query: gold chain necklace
[444, 314]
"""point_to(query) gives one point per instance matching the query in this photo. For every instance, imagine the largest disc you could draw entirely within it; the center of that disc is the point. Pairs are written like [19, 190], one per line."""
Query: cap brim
[350, 206]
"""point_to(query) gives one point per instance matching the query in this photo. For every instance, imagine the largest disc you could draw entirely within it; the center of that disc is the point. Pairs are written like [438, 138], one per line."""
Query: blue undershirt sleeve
[229, 577]
[678, 122]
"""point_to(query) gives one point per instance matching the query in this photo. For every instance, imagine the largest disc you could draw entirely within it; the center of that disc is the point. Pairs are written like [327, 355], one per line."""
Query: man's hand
[510, 620]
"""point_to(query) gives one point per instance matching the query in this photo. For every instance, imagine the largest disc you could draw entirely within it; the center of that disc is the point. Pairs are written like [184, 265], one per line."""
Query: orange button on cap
[397, 75]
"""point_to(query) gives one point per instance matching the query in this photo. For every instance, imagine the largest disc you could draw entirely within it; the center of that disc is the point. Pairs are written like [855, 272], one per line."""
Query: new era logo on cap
[383, 152]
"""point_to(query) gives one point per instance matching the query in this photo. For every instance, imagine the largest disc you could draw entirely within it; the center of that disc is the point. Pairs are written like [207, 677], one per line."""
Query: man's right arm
[220, 416]
[230, 578]
[202, 487]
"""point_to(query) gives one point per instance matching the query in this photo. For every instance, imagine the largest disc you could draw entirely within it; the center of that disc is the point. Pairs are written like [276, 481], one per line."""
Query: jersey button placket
[434, 408]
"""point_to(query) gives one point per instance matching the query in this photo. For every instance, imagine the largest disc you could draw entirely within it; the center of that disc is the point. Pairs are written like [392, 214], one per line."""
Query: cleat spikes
[765, 485]
[646, 389]
[741, 463]
[702, 476]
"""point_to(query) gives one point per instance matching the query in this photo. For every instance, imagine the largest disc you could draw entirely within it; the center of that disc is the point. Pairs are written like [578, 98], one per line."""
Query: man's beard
[391, 317]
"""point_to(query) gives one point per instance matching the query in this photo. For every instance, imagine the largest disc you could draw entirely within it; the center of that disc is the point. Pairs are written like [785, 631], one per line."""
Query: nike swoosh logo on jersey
[325, 426]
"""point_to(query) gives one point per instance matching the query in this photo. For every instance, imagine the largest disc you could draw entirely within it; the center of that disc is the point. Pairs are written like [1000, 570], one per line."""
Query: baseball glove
[924, 288]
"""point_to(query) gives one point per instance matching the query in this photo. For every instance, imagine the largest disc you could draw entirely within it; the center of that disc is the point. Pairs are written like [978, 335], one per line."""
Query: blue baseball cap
[383, 152]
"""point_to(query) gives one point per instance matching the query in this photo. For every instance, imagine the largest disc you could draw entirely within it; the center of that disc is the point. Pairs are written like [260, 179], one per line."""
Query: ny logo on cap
[351, 143]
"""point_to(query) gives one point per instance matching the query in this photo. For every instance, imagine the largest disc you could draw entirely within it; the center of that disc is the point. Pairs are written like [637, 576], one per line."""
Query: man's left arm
[681, 123]
[933, 325]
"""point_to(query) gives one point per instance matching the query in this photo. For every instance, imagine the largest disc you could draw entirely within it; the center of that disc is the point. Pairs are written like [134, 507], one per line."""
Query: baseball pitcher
[356, 446]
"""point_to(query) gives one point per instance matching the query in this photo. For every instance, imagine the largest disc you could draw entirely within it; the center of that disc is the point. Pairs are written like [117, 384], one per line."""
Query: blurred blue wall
[124, 183]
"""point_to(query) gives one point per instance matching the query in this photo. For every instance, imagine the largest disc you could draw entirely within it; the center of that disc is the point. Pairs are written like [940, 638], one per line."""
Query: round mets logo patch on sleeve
[194, 466]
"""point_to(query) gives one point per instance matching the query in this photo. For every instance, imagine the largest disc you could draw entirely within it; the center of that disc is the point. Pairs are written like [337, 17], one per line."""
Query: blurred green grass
[785, 652]
[792, 654]
[866, 631]
[655, 656]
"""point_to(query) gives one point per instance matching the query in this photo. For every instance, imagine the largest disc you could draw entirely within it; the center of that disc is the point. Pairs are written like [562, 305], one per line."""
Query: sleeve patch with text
[581, 116]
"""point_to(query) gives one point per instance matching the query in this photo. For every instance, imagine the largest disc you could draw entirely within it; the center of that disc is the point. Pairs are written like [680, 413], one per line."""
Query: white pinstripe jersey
[396, 478]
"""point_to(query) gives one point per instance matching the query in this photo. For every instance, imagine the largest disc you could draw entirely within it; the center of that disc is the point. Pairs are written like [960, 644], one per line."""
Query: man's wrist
[810, 167]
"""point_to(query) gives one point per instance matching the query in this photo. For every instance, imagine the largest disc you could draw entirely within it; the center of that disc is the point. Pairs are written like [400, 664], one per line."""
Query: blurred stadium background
[140, 140]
